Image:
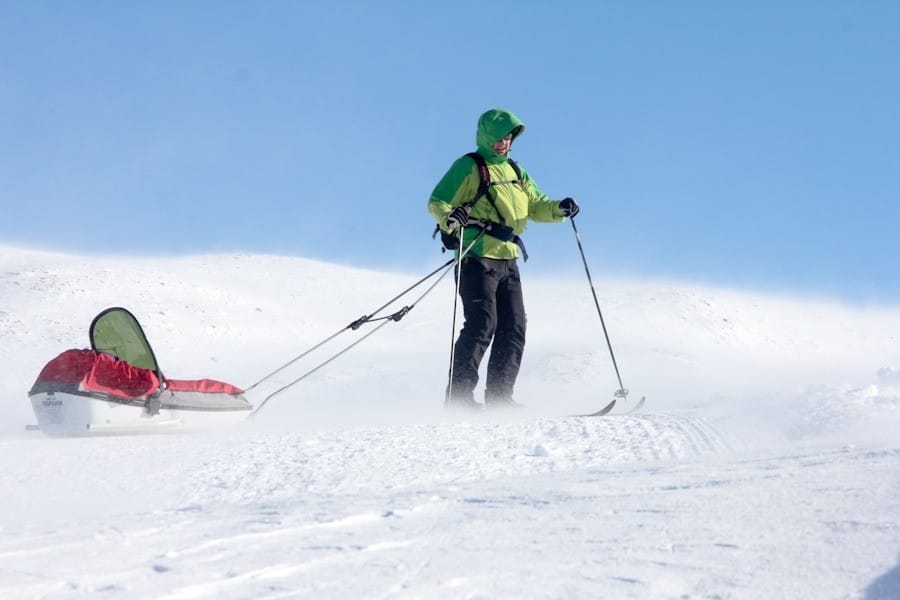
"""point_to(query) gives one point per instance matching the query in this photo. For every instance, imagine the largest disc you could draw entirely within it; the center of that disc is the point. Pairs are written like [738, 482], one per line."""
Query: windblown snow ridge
[363, 460]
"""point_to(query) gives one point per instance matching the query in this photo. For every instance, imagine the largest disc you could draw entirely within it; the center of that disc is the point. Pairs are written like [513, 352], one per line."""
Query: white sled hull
[64, 414]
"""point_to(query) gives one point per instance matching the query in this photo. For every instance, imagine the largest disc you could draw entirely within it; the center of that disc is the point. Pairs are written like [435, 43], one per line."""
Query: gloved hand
[569, 207]
[458, 217]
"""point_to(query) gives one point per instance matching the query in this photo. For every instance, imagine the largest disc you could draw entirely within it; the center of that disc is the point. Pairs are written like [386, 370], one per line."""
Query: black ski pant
[494, 310]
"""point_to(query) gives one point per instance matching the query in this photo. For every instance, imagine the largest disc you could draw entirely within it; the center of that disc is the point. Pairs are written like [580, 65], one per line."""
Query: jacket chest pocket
[512, 202]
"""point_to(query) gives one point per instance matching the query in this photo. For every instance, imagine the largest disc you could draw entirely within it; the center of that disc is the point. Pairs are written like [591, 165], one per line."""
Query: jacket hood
[492, 126]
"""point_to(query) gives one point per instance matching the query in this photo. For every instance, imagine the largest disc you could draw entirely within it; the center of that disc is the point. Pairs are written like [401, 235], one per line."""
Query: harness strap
[501, 232]
[485, 183]
[484, 180]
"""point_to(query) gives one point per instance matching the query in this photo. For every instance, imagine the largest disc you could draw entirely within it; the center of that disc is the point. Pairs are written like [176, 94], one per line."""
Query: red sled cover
[207, 386]
[81, 371]
[90, 371]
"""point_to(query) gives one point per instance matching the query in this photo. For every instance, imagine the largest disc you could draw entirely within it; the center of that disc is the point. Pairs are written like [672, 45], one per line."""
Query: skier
[487, 194]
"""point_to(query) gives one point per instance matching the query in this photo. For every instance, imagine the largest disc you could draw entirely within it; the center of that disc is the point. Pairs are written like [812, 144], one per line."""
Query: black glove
[569, 207]
[458, 217]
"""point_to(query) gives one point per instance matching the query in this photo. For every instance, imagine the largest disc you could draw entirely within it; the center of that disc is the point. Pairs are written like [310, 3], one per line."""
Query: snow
[766, 463]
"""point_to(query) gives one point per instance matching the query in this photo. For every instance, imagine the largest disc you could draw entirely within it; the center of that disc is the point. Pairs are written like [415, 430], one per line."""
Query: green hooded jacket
[516, 203]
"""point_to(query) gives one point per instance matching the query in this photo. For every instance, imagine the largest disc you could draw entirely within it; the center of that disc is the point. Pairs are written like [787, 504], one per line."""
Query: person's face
[503, 145]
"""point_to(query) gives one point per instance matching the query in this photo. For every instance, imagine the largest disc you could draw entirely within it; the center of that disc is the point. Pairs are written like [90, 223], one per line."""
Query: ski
[603, 411]
[637, 406]
[606, 409]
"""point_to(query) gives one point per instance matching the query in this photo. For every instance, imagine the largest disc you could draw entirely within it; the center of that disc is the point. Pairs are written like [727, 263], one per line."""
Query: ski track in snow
[548, 509]
[760, 483]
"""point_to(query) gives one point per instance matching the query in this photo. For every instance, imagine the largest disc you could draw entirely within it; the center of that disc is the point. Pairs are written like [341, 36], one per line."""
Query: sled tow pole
[370, 318]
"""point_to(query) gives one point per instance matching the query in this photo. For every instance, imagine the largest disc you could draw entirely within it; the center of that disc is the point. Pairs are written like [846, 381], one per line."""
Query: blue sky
[749, 144]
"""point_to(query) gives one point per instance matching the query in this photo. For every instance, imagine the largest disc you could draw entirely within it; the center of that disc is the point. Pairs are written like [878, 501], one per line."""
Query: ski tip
[639, 405]
[608, 408]
[601, 412]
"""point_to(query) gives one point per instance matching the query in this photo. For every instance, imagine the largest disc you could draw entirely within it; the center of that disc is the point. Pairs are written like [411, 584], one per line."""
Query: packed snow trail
[633, 507]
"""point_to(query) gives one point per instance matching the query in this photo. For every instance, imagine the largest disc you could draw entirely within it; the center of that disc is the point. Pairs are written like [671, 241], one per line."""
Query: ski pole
[463, 251]
[449, 395]
[622, 392]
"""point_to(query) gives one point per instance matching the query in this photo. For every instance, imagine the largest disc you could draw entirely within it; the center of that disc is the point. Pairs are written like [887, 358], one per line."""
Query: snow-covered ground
[766, 463]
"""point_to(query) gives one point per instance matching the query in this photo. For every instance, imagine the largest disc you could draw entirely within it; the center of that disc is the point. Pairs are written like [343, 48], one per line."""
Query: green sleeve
[540, 208]
[456, 187]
